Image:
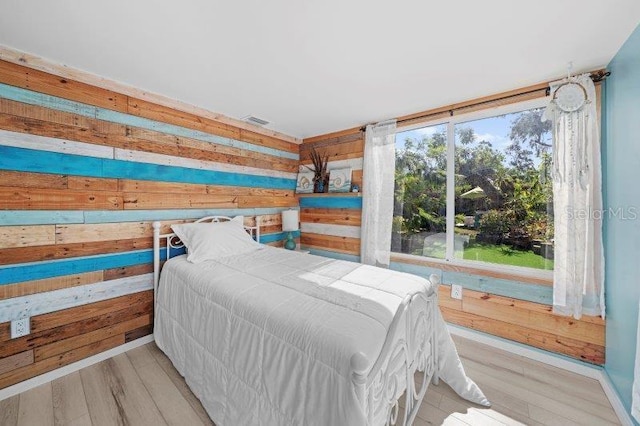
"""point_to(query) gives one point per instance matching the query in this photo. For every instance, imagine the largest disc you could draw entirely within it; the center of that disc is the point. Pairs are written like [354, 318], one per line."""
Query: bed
[277, 337]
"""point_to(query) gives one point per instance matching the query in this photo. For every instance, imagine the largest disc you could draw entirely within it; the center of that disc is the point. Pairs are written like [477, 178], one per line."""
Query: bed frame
[403, 364]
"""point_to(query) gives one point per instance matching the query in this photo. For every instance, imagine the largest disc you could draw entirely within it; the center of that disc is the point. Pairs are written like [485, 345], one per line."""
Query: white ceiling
[312, 67]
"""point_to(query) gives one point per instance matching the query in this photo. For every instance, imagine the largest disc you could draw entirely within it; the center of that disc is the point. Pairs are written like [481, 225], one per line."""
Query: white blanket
[266, 338]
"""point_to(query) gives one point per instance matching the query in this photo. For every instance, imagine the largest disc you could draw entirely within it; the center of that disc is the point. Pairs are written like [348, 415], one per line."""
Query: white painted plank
[354, 163]
[329, 229]
[170, 160]
[52, 301]
[44, 143]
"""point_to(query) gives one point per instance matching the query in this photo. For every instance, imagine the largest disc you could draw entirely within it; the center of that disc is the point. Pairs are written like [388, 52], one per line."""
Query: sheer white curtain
[635, 394]
[578, 279]
[378, 179]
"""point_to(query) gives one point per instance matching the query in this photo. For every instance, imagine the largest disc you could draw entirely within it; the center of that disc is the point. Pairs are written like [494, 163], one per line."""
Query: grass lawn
[505, 255]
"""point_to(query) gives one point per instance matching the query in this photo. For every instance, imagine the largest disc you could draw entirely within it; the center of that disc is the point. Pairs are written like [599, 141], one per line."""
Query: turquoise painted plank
[146, 171]
[279, 236]
[60, 104]
[40, 217]
[56, 268]
[334, 255]
[507, 288]
[29, 160]
[354, 202]
[422, 271]
[106, 216]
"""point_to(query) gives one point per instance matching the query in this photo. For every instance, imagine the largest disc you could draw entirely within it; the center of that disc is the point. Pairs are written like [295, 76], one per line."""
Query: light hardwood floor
[141, 387]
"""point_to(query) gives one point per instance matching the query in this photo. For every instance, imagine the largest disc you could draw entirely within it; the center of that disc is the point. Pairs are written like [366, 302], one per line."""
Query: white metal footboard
[410, 347]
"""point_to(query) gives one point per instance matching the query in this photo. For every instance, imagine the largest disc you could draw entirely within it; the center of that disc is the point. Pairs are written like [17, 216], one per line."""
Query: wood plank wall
[331, 222]
[84, 171]
[507, 306]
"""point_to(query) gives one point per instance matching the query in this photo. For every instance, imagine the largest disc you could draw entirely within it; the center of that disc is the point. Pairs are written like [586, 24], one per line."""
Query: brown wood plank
[505, 309]
[331, 216]
[57, 199]
[64, 345]
[18, 360]
[40, 323]
[164, 114]
[127, 271]
[265, 220]
[132, 335]
[255, 192]
[92, 184]
[52, 363]
[74, 328]
[63, 251]
[356, 178]
[330, 242]
[49, 284]
[347, 133]
[350, 143]
[571, 347]
[249, 201]
[26, 236]
[445, 299]
[38, 81]
[90, 233]
[147, 186]
[84, 233]
[270, 229]
[144, 201]
[10, 178]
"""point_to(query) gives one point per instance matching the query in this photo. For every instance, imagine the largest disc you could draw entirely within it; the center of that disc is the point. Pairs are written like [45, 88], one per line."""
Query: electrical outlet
[20, 327]
[456, 291]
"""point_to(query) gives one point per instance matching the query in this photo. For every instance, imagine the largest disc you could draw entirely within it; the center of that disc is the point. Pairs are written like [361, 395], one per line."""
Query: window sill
[544, 278]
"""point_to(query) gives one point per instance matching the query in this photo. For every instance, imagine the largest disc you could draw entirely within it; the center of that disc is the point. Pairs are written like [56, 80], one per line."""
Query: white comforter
[266, 338]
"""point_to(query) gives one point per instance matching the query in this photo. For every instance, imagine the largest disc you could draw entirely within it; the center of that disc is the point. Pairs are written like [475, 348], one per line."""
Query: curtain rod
[596, 76]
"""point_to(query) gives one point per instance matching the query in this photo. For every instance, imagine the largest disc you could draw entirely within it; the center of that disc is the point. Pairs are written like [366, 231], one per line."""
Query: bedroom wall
[83, 173]
[511, 307]
[621, 157]
[331, 222]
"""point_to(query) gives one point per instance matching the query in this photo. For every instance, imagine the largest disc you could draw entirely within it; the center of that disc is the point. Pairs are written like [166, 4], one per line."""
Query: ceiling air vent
[255, 120]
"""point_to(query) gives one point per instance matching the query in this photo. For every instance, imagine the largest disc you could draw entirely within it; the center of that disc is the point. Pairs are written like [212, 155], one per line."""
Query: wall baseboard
[614, 399]
[68, 369]
[593, 372]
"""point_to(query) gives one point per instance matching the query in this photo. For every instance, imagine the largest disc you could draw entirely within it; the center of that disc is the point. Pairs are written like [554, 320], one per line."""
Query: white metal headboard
[174, 242]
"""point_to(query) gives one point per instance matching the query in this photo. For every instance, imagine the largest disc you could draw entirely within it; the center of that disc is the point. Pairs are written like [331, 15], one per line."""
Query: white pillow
[208, 241]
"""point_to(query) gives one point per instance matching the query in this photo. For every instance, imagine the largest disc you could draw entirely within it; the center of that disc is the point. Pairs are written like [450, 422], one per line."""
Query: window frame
[450, 261]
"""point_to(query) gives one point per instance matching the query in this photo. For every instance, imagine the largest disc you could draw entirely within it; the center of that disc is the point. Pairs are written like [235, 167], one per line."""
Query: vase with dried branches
[320, 178]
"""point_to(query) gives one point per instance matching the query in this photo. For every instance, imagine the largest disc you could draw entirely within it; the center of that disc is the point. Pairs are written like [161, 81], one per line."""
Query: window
[477, 188]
